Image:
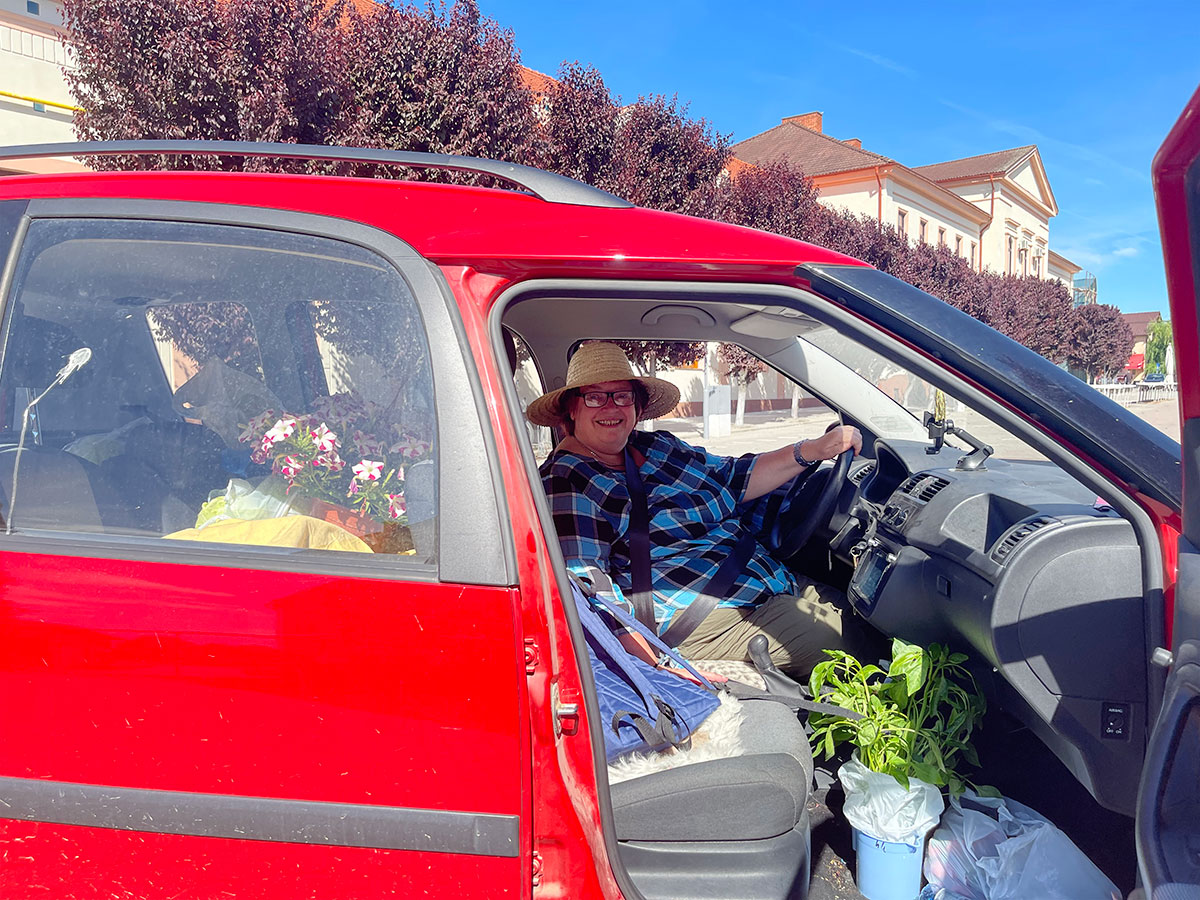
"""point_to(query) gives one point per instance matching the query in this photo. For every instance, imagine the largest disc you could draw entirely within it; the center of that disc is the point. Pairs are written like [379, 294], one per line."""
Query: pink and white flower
[368, 470]
[289, 466]
[280, 431]
[396, 505]
[411, 447]
[324, 439]
[330, 461]
[257, 424]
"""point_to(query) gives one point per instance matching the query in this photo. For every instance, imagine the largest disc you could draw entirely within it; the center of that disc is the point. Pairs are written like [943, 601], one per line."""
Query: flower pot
[381, 537]
[886, 870]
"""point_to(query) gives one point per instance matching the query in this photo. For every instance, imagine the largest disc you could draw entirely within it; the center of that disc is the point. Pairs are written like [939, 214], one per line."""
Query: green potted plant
[914, 735]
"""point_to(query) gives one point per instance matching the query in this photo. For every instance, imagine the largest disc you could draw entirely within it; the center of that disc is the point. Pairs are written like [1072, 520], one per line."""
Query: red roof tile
[536, 81]
[1000, 162]
[812, 152]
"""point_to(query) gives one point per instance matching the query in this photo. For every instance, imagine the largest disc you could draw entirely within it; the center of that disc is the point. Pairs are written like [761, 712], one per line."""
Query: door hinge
[532, 656]
[537, 869]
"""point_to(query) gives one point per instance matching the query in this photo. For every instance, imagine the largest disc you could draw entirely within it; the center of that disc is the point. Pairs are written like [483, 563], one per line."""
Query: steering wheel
[784, 542]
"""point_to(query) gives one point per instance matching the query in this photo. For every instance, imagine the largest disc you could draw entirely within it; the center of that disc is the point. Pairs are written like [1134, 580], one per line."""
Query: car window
[242, 386]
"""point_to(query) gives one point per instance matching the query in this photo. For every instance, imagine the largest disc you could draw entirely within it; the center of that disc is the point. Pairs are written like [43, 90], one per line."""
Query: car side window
[215, 384]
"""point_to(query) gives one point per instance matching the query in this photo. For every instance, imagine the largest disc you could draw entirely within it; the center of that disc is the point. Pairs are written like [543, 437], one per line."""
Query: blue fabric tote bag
[642, 708]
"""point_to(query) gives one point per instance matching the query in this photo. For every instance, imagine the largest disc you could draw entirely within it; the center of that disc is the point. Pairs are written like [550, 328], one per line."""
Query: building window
[1008, 262]
[972, 253]
[902, 223]
[958, 245]
[941, 237]
[921, 232]
[33, 7]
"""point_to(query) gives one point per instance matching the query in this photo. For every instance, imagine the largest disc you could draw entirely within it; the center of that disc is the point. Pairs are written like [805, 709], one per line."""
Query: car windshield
[912, 396]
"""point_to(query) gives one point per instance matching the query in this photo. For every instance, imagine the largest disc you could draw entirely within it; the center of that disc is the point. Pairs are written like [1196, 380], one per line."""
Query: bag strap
[746, 692]
[652, 639]
[688, 619]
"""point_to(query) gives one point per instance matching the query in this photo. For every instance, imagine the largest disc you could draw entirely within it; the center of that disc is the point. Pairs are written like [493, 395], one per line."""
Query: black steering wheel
[785, 541]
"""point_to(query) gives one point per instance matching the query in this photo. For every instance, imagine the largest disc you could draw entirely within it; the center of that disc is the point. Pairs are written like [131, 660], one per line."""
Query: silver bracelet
[798, 455]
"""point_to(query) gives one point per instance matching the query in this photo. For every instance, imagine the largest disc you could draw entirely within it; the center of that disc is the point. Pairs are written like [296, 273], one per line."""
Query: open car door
[1168, 813]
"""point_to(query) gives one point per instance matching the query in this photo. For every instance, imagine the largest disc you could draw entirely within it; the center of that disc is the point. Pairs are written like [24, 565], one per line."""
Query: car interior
[151, 427]
[1018, 562]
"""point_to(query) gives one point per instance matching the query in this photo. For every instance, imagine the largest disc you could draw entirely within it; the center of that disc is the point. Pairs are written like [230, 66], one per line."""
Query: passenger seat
[735, 827]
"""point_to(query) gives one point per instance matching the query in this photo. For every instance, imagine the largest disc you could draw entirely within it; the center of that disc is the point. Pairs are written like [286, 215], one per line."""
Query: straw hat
[594, 363]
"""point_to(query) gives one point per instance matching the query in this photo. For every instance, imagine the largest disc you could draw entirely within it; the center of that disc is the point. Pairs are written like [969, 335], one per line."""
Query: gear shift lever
[776, 681]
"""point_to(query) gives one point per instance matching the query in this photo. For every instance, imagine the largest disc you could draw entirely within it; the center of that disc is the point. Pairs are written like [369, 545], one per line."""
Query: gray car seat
[724, 828]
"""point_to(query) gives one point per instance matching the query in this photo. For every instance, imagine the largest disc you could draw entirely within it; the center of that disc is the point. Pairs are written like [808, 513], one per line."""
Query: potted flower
[345, 463]
[914, 734]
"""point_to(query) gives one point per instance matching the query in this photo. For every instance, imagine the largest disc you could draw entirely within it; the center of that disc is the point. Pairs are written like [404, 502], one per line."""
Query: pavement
[774, 428]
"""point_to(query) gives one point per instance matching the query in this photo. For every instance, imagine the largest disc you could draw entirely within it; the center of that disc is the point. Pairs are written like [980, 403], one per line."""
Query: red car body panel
[248, 683]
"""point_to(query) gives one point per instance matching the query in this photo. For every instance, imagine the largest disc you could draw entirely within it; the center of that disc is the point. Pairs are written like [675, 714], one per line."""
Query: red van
[204, 696]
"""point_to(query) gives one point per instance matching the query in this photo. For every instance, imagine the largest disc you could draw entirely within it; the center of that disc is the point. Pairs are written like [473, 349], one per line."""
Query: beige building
[35, 105]
[992, 210]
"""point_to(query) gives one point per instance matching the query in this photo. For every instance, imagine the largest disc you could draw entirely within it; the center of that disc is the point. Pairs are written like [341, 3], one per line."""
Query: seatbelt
[689, 618]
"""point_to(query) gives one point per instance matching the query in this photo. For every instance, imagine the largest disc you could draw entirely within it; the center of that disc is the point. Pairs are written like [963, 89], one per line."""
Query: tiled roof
[810, 151]
[1139, 323]
[999, 163]
[536, 81]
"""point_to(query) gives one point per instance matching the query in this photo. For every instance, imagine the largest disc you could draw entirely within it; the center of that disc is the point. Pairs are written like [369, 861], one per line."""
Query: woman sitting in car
[693, 509]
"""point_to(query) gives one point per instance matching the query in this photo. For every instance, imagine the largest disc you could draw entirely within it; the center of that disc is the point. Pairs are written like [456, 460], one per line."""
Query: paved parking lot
[773, 429]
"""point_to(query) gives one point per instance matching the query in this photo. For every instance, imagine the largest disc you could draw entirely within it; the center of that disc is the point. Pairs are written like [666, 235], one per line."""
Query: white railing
[1142, 392]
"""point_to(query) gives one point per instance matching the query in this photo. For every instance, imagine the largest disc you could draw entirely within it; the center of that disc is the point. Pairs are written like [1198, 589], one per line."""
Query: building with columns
[992, 210]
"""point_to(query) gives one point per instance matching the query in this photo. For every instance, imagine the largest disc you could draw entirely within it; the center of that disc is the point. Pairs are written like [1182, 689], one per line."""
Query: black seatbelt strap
[639, 545]
[688, 619]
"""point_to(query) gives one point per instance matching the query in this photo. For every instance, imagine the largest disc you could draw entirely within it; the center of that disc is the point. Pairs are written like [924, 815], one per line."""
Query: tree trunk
[740, 419]
[795, 400]
[651, 367]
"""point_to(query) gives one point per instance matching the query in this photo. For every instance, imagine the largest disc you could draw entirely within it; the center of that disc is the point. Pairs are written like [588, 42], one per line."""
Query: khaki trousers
[797, 627]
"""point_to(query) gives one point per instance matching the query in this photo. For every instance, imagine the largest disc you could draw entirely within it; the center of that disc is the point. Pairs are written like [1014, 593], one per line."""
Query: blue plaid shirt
[694, 505]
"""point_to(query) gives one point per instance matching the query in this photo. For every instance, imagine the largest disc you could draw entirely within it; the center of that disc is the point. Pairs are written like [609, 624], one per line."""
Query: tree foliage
[446, 79]
[741, 365]
[261, 70]
[655, 356]
[435, 80]
[1099, 342]
[1158, 342]
[648, 152]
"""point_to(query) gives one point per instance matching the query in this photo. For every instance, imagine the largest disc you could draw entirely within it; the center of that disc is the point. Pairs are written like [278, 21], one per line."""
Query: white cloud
[1126, 251]
[879, 60]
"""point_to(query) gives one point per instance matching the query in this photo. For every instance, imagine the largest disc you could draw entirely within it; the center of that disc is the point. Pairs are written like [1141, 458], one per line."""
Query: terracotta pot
[381, 537]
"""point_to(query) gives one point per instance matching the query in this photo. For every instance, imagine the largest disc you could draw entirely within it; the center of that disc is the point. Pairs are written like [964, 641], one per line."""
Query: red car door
[1168, 815]
[200, 695]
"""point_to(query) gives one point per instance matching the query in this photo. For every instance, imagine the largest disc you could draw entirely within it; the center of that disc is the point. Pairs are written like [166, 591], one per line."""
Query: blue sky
[1096, 86]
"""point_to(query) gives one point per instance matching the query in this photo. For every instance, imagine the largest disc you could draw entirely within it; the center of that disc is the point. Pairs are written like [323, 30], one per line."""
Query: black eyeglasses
[597, 399]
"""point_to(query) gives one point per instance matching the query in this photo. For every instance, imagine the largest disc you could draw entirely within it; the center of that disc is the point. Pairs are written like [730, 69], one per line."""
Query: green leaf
[986, 790]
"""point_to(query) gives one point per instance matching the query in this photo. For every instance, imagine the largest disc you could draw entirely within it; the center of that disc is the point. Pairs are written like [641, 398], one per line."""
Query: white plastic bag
[877, 805]
[992, 848]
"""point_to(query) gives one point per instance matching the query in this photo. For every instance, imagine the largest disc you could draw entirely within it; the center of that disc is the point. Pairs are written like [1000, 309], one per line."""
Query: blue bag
[641, 707]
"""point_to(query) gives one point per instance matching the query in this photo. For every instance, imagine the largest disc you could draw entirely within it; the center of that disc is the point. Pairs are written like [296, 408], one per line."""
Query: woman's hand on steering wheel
[842, 442]
[836, 440]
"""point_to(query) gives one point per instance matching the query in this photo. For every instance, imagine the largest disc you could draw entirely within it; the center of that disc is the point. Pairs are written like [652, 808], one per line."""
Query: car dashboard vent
[859, 475]
[924, 487]
[1018, 535]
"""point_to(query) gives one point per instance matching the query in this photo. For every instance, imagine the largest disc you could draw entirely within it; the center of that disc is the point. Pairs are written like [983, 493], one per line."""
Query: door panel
[295, 708]
[1168, 816]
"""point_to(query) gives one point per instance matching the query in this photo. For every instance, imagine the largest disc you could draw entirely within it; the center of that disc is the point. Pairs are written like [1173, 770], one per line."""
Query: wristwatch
[798, 455]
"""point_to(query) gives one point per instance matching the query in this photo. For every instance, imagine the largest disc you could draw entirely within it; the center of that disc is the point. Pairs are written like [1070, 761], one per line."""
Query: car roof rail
[548, 186]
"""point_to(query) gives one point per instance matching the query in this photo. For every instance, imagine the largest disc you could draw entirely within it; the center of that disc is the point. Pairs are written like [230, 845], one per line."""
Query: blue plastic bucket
[888, 871]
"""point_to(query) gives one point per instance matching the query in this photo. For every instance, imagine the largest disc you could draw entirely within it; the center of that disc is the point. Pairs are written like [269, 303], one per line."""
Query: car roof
[488, 229]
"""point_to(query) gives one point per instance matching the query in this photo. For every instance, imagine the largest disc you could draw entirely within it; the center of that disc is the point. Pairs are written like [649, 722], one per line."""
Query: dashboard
[1018, 565]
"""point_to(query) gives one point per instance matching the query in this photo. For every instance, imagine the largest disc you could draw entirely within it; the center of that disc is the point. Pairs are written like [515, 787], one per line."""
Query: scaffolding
[1083, 289]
